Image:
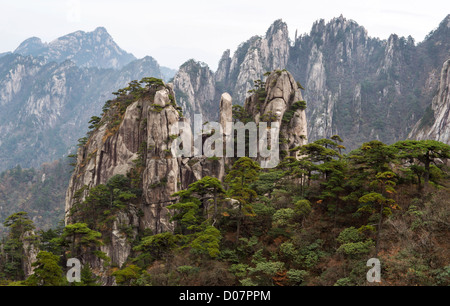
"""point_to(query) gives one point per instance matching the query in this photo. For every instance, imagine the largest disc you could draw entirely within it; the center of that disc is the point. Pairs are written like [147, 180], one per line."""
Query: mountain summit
[85, 49]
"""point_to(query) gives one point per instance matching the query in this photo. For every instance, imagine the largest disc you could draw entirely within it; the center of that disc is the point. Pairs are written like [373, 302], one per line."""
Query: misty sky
[175, 31]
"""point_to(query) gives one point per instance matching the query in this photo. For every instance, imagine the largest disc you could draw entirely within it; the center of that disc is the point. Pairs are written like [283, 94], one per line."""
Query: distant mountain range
[92, 49]
[359, 87]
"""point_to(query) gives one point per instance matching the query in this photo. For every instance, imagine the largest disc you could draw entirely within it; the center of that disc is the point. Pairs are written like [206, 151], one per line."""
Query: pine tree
[47, 271]
[421, 154]
[243, 173]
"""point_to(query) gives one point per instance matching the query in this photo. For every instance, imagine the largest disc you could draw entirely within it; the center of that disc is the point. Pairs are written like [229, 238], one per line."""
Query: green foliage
[355, 249]
[18, 223]
[296, 277]
[158, 245]
[104, 201]
[150, 81]
[283, 217]
[288, 114]
[95, 122]
[242, 174]
[240, 114]
[239, 270]
[78, 237]
[302, 208]
[47, 271]
[264, 271]
[349, 235]
[313, 220]
[127, 275]
[88, 278]
[424, 151]
[207, 242]
[187, 209]
[267, 181]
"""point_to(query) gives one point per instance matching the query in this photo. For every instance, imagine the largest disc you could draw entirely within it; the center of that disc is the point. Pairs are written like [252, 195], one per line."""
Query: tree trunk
[427, 172]
[377, 246]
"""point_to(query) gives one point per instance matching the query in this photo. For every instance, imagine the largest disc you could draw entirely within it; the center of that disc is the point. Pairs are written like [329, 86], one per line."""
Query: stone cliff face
[198, 87]
[436, 122]
[142, 136]
[359, 87]
[252, 59]
[137, 142]
[356, 86]
[49, 91]
[195, 89]
[139, 145]
[281, 102]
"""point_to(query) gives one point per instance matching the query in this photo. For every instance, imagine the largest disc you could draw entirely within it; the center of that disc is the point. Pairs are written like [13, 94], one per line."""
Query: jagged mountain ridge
[48, 92]
[85, 49]
[359, 87]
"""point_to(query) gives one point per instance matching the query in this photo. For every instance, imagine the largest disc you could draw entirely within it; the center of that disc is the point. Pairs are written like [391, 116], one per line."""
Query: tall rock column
[281, 101]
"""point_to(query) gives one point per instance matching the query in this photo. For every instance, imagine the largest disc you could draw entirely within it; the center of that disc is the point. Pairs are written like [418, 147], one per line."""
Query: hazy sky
[175, 31]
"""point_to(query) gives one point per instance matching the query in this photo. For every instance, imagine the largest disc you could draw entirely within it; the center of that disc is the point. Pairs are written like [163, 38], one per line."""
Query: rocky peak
[252, 59]
[277, 37]
[221, 75]
[86, 49]
[136, 137]
[281, 101]
[435, 124]
[195, 89]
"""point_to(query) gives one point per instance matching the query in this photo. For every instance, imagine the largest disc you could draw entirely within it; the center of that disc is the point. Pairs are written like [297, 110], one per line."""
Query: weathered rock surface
[144, 135]
[435, 124]
[30, 252]
[359, 87]
[44, 107]
[281, 105]
[252, 59]
[195, 89]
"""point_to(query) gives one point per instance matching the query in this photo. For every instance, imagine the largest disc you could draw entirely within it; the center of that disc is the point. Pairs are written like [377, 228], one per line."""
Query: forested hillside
[315, 219]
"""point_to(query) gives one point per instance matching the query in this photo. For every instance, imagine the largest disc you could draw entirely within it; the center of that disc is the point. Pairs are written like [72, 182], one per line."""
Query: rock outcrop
[252, 59]
[137, 143]
[30, 252]
[44, 107]
[282, 102]
[435, 124]
[358, 87]
[136, 137]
